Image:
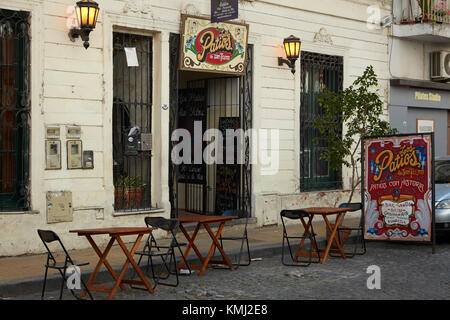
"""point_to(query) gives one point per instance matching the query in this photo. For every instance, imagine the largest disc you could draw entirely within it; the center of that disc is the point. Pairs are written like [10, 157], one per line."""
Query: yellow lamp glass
[87, 13]
[292, 47]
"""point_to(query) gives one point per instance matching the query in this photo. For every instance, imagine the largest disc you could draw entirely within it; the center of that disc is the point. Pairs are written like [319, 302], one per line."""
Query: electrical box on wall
[59, 206]
[53, 154]
[88, 159]
[53, 132]
[52, 148]
[74, 154]
[73, 132]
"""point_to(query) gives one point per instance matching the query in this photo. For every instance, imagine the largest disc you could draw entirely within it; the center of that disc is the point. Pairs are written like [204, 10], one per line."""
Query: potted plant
[425, 5]
[128, 192]
[440, 11]
[361, 110]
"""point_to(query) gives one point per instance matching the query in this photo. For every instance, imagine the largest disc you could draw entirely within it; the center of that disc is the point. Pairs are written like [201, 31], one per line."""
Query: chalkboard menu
[227, 175]
[191, 108]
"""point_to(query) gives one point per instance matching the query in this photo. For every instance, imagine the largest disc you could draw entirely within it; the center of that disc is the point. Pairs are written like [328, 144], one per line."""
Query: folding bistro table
[115, 234]
[324, 212]
[205, 221]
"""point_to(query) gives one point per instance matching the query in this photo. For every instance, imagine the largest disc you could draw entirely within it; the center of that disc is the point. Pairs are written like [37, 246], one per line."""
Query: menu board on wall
[192, 108]
[227, 175]
[398, 188]
[213, 47]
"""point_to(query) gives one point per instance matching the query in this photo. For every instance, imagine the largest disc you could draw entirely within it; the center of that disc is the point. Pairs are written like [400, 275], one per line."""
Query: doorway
[132, 119]
[201, 102]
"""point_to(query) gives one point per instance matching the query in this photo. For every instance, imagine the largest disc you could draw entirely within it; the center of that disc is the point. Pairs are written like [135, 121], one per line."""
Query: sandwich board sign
[398, 187]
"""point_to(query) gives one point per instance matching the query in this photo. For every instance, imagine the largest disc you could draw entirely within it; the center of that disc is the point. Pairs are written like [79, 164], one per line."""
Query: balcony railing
[422, 11]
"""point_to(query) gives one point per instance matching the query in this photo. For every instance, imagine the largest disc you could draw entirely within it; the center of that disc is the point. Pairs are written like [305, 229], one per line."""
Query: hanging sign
[398, 188]
[223, 10]
[213, 47]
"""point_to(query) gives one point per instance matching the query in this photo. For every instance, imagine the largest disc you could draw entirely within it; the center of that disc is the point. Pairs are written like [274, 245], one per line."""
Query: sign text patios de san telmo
[398, 188]
[213, 47]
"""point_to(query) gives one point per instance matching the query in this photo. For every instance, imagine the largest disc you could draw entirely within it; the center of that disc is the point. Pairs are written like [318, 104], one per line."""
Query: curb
[11, 289]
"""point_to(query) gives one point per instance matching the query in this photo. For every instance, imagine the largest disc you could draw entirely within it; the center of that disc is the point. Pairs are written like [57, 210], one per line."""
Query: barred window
[319, 71]
[14, 110]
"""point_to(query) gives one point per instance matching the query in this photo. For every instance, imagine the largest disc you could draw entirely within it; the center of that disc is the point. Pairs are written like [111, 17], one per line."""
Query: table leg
[102, 256]
[191, 244]
[333, 236]
[129, 260]
[216, 243]
[307, 227]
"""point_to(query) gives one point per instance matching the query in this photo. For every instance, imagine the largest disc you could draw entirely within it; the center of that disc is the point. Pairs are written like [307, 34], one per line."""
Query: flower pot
[128, 198]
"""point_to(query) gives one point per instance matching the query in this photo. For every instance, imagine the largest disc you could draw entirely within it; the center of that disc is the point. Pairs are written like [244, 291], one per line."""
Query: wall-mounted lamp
[87, 14]
[292, 47]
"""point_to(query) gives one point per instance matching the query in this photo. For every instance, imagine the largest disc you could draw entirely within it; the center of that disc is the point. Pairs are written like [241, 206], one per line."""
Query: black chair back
[294, 214]
[354, 206]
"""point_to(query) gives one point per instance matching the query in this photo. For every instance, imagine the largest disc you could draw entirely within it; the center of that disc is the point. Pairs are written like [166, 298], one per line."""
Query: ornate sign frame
[398, 187]
[213, 47]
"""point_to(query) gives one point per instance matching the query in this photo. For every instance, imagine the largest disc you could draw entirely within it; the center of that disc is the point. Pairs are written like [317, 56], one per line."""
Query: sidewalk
[24, 274]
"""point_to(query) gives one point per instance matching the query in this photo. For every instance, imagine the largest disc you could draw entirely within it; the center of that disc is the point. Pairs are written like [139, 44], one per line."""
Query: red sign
[215, 46]
[398, 188]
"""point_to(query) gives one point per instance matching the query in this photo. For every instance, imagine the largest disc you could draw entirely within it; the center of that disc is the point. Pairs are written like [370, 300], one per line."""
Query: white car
[442, 197]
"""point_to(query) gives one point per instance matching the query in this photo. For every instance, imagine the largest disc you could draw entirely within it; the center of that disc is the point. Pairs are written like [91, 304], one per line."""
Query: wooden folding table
[115, 234]
[324, 212]
[205, 221]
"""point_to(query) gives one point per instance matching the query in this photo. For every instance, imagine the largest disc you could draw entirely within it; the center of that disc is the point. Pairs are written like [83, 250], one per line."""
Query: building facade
[419, 100]
[68, 112]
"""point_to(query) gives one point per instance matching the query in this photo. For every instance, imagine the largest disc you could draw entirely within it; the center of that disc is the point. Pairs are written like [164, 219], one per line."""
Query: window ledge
[19, 212]
[132, 213]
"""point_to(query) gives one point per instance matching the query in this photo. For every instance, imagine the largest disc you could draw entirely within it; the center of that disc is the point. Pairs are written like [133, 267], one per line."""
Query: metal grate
[319, 71]
[14, 109]
[222, 102]
[132, 118]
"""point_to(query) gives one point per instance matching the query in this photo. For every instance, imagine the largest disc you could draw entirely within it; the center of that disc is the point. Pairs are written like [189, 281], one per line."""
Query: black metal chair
[165, 252]
[243, 239]
[307, 234]
[48, 236]
[359, 239]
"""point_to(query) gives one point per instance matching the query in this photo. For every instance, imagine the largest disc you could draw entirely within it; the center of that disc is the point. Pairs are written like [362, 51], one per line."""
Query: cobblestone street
[408, 271]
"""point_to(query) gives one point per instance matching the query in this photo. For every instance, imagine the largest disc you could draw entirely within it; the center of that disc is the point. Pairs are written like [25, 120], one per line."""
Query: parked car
[442, 182]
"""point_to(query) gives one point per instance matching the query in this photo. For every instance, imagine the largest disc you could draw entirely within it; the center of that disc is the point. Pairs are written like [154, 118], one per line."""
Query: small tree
[360, 108]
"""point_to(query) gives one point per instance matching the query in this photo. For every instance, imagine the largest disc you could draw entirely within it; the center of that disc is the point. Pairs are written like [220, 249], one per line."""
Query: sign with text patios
[398, 187]
[213, 47]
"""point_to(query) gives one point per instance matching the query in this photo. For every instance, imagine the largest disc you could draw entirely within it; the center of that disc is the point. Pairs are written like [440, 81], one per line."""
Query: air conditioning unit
[440, 66]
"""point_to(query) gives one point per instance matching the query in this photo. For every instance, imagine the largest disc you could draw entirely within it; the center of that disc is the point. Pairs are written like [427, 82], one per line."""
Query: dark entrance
[132, 118]
[209, 101]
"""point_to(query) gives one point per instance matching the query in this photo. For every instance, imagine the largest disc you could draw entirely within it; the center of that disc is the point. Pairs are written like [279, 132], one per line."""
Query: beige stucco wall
[71, 85]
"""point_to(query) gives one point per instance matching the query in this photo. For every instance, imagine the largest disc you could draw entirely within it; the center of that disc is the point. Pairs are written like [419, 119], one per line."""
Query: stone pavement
[408, 271]
[24, 274]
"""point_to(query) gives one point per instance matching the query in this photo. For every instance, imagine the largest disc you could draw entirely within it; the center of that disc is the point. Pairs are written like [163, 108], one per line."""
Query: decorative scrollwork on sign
[188, 62]
[239, 67]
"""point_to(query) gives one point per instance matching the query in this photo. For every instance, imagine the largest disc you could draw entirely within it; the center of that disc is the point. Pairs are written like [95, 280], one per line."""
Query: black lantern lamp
[87, 14]
[292, 47]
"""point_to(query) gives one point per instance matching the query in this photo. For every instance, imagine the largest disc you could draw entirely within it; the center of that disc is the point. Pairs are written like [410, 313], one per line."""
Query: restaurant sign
[398, 188]
[213, 47]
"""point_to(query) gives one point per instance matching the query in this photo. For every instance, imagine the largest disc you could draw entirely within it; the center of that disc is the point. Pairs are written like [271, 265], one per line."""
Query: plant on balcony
[440, 10]
[128, 192]
[426, 7]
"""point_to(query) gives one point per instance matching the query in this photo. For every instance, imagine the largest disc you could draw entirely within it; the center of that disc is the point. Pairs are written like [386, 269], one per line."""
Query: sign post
[398, 188]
